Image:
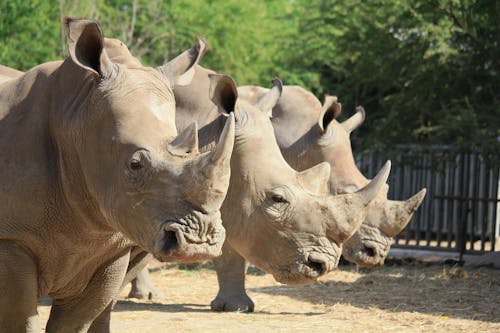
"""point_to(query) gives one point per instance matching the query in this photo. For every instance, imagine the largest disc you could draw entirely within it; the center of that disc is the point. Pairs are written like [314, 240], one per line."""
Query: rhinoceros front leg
[18, 289]
[77, 314]
[231, 269]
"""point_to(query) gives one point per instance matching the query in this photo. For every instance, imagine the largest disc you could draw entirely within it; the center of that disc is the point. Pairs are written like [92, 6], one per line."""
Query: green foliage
[426, 71]
[29, 33]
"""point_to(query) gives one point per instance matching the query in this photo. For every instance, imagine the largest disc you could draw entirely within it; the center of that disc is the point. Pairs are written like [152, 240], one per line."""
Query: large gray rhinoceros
[91, 165]
[308, 133]
[283, 221]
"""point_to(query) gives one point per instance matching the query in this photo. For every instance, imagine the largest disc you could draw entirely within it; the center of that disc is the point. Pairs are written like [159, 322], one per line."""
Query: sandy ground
[399, 298]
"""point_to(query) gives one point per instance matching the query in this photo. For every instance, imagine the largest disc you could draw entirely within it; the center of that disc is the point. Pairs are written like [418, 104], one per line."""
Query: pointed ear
[315, 179]
[181, 69]
[355, 120]
[267, 102]
[87, 46]
[223, 92]
[186, 143]
[330, 110]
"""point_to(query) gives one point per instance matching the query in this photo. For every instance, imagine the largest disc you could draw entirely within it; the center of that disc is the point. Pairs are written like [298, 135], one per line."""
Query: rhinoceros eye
[136, 165]
[138, 160]
[279, 199]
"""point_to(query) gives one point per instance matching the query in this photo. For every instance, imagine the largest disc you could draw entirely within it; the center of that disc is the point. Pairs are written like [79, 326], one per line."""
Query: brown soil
[408, 298]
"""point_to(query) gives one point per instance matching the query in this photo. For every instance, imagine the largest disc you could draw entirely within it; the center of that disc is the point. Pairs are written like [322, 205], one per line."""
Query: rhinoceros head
[281, 220]
[370, 245]
[146, 181]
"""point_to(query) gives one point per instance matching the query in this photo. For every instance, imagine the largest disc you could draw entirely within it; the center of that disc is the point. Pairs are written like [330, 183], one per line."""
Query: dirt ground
[412, 297]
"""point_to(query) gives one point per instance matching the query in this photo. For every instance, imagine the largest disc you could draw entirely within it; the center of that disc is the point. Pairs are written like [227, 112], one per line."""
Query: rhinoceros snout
[171, 242]
[194, 237]
[314, 268]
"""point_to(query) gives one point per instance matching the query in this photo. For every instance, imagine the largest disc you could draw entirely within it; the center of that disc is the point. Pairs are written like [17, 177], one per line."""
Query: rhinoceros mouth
[310, 267]
[316, 265]
[371, 253]
[195, 237]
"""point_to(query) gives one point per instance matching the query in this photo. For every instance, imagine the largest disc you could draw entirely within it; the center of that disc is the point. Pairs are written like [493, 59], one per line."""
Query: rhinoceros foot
[232, 303]
[143, 288]
[144, 291]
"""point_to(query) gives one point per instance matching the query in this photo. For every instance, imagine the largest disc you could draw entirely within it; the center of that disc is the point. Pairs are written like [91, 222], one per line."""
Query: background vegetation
[426, 71]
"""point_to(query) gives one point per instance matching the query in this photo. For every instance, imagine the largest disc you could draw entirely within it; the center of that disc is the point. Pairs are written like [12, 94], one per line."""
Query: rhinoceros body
[92, 165]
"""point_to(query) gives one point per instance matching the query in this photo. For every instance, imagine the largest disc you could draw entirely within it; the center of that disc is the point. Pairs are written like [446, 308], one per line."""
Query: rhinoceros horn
[181, 69]
[315, 179]
[355, 120]
[186, 142]
[269, 100]
[211, 171]
[399, 213]
[354, 206]
[369, 192]
[222, 153]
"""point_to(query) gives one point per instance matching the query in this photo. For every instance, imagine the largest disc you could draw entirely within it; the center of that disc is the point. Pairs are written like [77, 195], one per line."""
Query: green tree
[426, 71]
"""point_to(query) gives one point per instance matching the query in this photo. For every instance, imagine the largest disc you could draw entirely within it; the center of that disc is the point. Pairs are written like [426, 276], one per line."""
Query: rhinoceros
[308, 133]
[92, 165]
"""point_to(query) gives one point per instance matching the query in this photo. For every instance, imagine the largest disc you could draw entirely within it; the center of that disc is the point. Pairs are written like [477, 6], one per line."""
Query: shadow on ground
[442, 291]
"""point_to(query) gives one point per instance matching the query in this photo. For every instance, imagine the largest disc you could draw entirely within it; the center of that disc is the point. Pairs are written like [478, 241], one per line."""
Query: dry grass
[408, 298]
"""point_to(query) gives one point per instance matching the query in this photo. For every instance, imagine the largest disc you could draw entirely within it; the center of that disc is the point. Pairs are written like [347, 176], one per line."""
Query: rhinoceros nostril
[369, 251]
[317, 267]
[171, 242]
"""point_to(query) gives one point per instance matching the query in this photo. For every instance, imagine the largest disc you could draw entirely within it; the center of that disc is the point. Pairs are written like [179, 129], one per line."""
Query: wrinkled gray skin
[308, 133]
[284, 222]
[92, 165]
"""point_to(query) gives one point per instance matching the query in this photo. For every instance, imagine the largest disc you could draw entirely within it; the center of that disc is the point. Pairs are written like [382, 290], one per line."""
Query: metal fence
[461, 210]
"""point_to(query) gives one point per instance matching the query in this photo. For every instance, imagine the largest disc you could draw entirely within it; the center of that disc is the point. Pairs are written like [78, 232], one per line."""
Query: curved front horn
[209, 179]
[370, 191]
[399, 213]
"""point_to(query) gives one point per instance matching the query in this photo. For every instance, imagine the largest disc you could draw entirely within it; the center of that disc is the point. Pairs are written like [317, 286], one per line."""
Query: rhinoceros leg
[138, 261]
[77, 314]
[18, 289]
[231, 269]
[143, 288]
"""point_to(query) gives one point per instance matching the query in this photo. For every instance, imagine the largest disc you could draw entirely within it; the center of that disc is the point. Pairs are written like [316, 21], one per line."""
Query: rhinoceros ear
[355, 120]
[87, 46]
[180, 70]
[223, 92]
[330, 110]
[315, 179]
[267, 102]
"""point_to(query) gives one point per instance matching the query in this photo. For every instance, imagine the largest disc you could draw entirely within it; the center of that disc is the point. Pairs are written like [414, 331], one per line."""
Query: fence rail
[461, 209]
